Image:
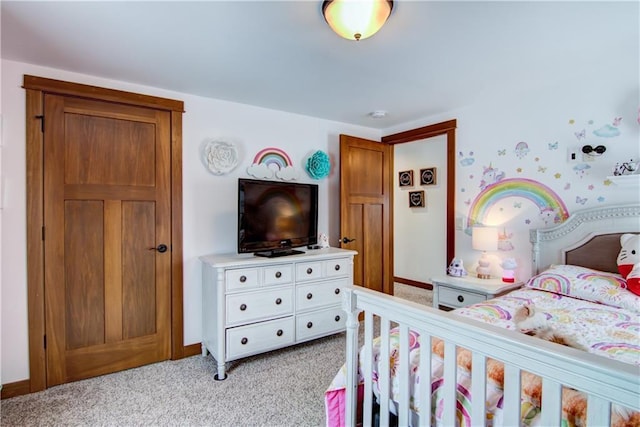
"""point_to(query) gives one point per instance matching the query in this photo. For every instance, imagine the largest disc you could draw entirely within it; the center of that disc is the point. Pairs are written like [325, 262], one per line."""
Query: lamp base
[483, 276]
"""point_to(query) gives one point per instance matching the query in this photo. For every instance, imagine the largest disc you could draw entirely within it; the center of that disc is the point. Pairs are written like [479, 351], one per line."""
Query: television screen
[274, 217]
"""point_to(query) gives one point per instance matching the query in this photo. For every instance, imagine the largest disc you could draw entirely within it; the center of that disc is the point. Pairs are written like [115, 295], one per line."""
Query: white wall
[548, 114]
[209, 210]
[420, 234]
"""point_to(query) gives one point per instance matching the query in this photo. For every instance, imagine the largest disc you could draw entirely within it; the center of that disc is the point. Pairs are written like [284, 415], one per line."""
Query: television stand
[278, 252]
[252, 305]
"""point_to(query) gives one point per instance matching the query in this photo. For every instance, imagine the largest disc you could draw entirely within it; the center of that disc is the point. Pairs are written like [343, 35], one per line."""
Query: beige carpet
[279, 388]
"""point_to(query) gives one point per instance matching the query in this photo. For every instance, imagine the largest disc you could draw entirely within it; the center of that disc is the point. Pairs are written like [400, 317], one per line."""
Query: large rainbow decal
[273, 157]
[541, 195]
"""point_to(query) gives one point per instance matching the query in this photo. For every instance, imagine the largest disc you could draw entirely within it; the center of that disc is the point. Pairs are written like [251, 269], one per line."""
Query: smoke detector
[378, 114]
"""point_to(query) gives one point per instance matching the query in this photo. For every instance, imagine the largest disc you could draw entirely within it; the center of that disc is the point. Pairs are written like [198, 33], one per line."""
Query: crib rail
[605, 381]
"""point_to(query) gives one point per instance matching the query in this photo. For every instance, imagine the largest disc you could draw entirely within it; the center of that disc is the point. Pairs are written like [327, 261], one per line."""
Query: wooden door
[365, 210]
[107, 210]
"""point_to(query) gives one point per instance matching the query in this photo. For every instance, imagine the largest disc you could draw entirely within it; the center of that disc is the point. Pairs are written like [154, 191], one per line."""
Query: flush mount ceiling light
[356, 19]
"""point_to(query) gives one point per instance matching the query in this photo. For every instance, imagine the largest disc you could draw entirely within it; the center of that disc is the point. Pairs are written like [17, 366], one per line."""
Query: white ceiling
[430, 57]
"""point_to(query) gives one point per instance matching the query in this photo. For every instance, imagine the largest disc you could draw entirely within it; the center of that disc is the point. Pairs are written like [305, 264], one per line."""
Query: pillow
[586, 284]
[629, 261]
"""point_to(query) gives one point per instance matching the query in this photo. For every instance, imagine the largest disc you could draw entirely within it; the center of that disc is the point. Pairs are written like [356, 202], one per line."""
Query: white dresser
[251, 304]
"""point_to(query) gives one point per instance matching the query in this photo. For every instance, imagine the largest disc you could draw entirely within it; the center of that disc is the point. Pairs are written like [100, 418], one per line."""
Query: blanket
[608, 331]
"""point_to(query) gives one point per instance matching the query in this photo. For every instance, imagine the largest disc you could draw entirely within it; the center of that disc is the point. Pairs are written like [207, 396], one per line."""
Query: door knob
[346, 240]
[162, 248]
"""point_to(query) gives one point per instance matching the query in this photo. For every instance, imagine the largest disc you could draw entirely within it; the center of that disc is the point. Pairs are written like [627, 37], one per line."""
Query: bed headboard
[589, 238]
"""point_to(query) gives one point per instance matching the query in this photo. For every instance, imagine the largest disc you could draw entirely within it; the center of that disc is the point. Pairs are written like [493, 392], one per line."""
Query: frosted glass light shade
[484, 238]
[356, 19]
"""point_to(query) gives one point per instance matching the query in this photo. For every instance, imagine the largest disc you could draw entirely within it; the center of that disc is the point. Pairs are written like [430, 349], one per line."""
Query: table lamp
[484, 239]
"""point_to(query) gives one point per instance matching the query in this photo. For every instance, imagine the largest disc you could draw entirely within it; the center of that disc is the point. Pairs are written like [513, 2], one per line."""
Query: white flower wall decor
[219, 156]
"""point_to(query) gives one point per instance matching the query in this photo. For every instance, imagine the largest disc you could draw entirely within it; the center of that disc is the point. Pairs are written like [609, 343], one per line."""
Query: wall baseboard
[20, 388]
[415, 283]
[192, 349]
[17, 388]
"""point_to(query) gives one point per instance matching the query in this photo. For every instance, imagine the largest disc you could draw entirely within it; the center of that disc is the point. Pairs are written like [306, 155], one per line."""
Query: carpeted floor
[279, 388]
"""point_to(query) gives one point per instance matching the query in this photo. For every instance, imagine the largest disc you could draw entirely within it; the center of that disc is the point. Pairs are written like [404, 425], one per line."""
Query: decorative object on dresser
[455, 292]
[251, 305]
[484, 239]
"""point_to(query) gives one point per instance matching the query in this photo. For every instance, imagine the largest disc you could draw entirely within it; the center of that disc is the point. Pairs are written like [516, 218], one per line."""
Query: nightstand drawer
[458, 298]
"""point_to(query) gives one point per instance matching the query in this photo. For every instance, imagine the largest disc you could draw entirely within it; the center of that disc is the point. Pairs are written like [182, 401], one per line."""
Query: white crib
[611, 386]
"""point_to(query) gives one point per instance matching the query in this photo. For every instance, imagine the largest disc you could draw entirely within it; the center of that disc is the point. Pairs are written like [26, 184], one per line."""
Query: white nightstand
[453, 292]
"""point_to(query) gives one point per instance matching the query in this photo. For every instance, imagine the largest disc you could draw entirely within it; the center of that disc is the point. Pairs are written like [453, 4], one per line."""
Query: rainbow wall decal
[273, 157]
[541, 195]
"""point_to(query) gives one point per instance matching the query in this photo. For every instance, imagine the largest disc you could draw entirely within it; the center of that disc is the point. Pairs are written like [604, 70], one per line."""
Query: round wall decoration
[220, 157]
[318, 165]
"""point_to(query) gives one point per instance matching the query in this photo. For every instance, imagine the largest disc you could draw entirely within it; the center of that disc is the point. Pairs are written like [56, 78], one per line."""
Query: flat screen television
[275, 217]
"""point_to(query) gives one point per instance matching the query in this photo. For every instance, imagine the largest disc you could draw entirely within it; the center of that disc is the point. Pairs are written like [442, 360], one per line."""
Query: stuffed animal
[456, 268]
[629, 261]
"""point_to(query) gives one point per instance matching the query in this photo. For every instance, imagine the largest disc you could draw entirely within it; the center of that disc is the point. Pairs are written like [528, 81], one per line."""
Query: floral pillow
[587, 284]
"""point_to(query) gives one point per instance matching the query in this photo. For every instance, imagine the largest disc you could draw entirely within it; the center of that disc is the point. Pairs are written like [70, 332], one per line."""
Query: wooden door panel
[370, 182]
[355, 229]
[373, 221]
[102, 150]
[84, 284]
[138, 269]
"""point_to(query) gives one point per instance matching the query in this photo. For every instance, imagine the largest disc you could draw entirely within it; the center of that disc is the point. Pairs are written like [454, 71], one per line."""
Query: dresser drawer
[259, 337]
[251, 306]
[458, 298]
[337, 267]
[319, 294]
[319, 323]
[308, 271]
[278, 275]
[246, 278]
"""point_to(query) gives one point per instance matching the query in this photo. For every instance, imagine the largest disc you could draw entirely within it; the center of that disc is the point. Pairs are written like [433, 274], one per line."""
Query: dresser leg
[221, 375]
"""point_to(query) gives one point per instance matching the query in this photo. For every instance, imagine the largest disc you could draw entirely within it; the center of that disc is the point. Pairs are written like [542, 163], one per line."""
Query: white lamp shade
[484, 238]
[356, 19]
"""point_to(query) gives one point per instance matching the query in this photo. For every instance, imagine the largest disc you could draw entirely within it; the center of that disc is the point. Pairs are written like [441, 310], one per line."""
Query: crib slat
[478, 389]
[598, 411]
[449, 385]
[551, 402]
[385, 373]
[351, 324]
[367, 367]
[511, 403]
[425, 379]
[403, 410]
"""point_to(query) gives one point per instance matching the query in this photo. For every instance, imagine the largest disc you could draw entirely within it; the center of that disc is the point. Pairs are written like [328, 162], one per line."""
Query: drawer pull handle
[243, 279]
[309, 270]
[243, 341]
[460, 298]
[278, 275]
[337, 318]
[279, 333]
[337, 291]
[278, 301]
[310, 325]
[309, 295]
[243, 307]
[337, 267]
